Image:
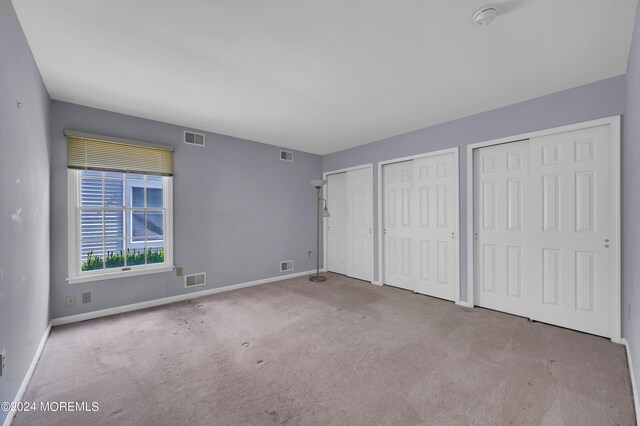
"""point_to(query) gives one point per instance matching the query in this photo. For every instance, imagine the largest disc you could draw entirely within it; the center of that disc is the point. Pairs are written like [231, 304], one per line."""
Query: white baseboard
[378, 283]
[636, 400]
[166, 300]
[465, 304]
[27, 377]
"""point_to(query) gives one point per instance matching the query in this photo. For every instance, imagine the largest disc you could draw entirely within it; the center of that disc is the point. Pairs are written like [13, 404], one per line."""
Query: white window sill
[119, 274]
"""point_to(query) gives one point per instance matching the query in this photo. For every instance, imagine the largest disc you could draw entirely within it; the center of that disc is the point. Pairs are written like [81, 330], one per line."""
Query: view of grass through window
[115, 260]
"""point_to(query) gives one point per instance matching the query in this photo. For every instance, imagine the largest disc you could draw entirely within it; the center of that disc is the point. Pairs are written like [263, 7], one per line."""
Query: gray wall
[597, 100]
[24, 204]
[238, 210]
[631, 204]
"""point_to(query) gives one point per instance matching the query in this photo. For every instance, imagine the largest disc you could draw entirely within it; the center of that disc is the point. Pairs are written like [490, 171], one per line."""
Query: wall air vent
[286, 155]
[195, 280]
[193, 138]
[286, 266]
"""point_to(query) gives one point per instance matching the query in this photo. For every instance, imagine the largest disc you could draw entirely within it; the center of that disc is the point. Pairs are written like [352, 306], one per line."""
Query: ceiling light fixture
[483, 16]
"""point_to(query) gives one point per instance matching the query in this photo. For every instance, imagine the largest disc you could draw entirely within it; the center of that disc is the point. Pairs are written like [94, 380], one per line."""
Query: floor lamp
[318, 184]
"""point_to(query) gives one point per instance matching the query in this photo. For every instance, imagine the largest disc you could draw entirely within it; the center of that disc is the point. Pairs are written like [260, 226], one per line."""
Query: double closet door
[543, 229]
[420, 210]
[349, 228]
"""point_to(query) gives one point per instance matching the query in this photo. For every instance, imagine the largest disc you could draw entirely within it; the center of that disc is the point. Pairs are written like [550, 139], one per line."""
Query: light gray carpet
[340, 352]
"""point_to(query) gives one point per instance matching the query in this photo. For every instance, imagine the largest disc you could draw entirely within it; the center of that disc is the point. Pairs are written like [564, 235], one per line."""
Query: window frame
[76, 275]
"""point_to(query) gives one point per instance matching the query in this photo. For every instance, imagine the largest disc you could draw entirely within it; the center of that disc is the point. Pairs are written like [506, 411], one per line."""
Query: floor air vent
[195, 280]
[286, 266]
[193, 138]
[286, 155]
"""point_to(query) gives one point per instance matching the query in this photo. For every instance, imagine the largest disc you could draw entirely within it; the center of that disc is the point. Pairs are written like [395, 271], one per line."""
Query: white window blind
[95, 152]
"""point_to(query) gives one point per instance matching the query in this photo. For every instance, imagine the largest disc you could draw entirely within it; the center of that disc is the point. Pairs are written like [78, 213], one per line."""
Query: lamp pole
[318, 184]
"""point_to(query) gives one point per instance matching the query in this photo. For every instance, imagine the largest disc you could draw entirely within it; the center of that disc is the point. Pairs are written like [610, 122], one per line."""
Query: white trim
[636, 399]
[324, 228]
[464, 304]
[119, 274]
[614, 123]
[167, 300]
[27, 377]
[456, 162]
[76, 276]
[418, 156]
[616, 279]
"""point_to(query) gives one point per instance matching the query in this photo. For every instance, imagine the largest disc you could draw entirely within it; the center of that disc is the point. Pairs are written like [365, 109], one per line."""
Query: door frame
[325, 188]
[456, 209]
[614, 123]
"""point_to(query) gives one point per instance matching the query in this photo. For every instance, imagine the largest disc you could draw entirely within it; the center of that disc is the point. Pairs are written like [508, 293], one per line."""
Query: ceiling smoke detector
[483, 16]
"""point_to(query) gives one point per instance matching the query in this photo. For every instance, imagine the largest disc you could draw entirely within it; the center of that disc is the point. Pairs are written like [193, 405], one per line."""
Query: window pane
[137, 196]
[113, 193]
[135, 257]
[90, 192]
[116, 229]
[154, 195]
[92, 255]
[156, 254]
[113, 224]
[137, 226]
[155, 225]
[115, 254]
[90, 224]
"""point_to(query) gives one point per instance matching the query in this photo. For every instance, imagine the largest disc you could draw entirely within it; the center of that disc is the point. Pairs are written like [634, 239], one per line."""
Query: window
[119, 224]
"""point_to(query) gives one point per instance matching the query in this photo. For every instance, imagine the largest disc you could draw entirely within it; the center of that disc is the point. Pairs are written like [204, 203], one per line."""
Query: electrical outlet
[71, 301]
[3, 361]
[86, 297]
[309, 253]
[178, 271]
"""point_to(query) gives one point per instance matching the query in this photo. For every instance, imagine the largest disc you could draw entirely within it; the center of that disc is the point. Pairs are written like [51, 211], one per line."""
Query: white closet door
[398, 224]
[337, 223]
[501, 242]
[435, 223]
[359, 183]
[571, 245]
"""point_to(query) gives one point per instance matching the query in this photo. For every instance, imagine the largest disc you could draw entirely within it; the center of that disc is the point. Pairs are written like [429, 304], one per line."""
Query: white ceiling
[319, 76]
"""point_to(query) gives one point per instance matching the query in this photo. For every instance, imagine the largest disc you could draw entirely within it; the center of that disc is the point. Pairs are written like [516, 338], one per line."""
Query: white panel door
[398, 224]
[571, 246]
[501, 223]
[359, 236]
[337, 223]
[435, 224]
